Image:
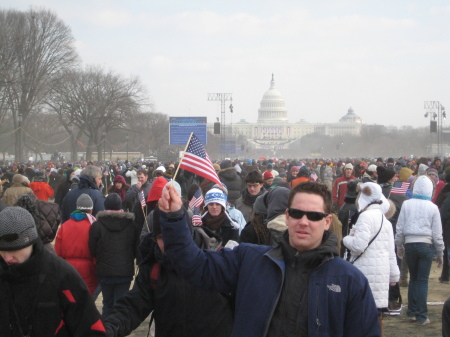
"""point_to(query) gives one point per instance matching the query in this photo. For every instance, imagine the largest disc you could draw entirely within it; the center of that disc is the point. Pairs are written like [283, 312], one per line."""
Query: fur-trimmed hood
[115, 221]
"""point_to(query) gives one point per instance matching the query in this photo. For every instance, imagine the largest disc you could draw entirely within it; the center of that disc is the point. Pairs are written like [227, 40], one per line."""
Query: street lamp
[104, 145]
[126, 138]
[19, 141]
[437, 116]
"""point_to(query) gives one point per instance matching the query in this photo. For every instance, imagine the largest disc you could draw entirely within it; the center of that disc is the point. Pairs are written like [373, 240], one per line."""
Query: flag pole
[145, 217]
[182, 157]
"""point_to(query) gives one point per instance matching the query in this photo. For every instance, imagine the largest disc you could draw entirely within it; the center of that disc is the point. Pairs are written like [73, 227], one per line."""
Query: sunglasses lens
[311, 216]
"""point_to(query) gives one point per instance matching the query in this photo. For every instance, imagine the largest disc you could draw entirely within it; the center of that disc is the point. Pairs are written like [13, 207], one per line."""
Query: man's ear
[328, 220]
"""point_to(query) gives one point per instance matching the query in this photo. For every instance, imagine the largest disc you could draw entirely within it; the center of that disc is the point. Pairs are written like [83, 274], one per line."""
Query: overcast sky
[383, 58]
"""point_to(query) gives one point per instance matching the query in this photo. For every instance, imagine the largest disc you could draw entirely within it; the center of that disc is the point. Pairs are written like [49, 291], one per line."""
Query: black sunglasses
[311, 216]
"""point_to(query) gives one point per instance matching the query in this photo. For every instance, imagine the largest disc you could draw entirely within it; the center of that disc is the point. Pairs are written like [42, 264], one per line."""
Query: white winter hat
[349, 165]
[372, 168]
[371, 192]
[161, 168]
[216, 195]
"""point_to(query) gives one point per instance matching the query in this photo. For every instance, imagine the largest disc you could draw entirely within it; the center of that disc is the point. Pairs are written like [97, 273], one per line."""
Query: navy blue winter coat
[340, 299]
[88, 186]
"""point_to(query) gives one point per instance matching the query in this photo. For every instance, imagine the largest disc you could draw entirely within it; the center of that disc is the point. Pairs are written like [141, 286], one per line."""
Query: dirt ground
[395, 326]
[437, 293]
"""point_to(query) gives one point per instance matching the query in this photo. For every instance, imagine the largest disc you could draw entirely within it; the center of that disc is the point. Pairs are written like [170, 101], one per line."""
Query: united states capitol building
[273, 130]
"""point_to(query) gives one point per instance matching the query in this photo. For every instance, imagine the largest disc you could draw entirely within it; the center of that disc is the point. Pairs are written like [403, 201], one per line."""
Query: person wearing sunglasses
[300, 287]
[40, 293]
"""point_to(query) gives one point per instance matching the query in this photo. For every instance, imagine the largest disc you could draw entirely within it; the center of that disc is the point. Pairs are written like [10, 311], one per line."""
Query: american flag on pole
[142, 199]
[400, 187]
[196, 218]
[196, 160]
[196, 200]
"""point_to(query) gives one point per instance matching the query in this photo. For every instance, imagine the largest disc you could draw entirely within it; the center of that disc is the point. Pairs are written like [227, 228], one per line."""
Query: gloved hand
[400, 252]
[440, 261]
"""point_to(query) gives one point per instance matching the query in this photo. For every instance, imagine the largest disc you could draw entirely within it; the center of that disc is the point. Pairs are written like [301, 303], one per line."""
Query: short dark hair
[142, 171]
[254, 177]
[312, 187]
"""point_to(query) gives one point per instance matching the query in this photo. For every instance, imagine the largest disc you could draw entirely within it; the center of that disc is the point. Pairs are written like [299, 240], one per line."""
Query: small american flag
[196, 200]
[142, 199]
[196, 160]
[196, 218]
[400, 187]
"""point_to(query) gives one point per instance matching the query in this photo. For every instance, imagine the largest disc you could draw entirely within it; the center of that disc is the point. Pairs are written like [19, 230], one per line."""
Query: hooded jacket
[419, 219]
[113, 242]
[378, 262]
[88, 186]
[233, 182]
[42, 190]
[63, 306]
[340, 302]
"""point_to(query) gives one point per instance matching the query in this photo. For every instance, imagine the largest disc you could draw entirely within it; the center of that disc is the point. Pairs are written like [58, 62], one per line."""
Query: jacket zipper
[277, 298]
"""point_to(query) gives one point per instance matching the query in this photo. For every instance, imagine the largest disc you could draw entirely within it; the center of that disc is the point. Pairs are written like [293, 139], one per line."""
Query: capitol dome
[351, 117]
[272, 109]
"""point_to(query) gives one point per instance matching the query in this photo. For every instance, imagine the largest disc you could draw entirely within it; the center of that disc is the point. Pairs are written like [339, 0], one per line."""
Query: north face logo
[334, 287]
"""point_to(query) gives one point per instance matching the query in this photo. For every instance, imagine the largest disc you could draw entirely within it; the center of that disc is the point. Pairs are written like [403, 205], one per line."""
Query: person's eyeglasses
[253, 185]
[311, 216]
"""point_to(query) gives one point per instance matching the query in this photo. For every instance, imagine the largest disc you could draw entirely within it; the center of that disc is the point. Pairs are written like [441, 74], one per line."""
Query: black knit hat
[352, 193]
[384, 174]
[17, 229]
[113, 202]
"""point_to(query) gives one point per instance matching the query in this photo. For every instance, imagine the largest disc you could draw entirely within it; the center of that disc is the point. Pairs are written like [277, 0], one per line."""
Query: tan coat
[14, 192]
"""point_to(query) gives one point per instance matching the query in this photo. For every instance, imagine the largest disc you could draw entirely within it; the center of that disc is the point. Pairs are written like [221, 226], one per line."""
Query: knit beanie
[259, 206]
[113, 202]
[156, 189]
[225, 164]
[216, 195]
[17, 229]
[267, 175]
[352, 193]
[432, 171]
[39, 176]
[84, 202]
[348, 166]
[405, 173]
[216, 167]
[384, 174]
[119, 179]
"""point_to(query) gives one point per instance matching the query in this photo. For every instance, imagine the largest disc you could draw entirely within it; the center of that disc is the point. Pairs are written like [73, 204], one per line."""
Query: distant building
[273, 129]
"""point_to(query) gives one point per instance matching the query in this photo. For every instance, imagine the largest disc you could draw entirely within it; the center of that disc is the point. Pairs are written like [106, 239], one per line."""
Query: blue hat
[216, 195]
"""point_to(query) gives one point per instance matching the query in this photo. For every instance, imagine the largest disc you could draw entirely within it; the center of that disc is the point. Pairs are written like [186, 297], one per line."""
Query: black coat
[87, 185]
[64, 306]
[180, 309]
[233, 182]
[113, 242]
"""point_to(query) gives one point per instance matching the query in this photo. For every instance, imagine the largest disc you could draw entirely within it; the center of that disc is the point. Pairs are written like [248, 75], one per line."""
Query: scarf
[249, 199]
[214, 222]
[121, 192]
[79, 215]
[421, 196]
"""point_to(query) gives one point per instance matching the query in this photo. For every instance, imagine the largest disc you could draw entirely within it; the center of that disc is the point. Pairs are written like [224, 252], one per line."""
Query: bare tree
[36, 46]
[96, 102]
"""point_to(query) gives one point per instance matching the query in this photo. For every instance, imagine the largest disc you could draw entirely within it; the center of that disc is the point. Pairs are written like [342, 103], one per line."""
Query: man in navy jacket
[301, 287]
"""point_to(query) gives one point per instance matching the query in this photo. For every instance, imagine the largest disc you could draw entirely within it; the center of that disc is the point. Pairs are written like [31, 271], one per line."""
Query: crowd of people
[278, 248]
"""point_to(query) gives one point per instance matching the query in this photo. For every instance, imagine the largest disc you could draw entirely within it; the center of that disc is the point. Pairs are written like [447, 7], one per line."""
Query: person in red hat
[268, 179]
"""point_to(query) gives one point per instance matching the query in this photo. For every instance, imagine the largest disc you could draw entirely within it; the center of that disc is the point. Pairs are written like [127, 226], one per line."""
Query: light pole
[126, 138]
[19, 141]
[435, 110]
[104, 145]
